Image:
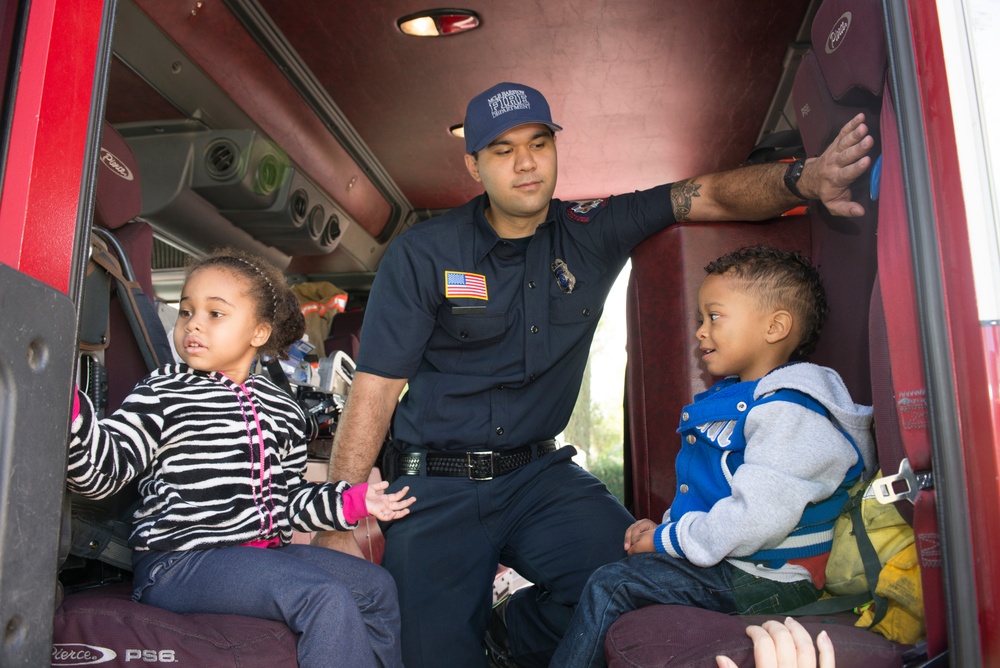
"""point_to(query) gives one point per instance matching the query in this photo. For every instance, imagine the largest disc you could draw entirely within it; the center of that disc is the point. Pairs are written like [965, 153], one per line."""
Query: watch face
[792, 175]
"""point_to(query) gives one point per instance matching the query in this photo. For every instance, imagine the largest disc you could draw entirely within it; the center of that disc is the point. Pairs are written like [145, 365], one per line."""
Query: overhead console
[231, 152]
[247, 178]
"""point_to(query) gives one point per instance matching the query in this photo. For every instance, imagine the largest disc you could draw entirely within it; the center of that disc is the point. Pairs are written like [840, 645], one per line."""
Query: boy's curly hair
[780, 279]
[274, 301]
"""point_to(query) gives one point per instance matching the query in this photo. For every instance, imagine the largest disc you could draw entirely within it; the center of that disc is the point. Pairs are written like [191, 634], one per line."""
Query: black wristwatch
[792, 175]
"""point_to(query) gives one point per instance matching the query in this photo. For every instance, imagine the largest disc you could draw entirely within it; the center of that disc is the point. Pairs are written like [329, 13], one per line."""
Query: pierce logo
[838, 33]
[78, 654]
[115, 165]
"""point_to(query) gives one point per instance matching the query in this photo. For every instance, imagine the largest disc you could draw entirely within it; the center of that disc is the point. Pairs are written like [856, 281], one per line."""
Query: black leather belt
[478, 465]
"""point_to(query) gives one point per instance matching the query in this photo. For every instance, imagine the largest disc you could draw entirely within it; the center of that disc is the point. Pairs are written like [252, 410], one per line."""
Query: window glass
[970, 33]
[598, 423]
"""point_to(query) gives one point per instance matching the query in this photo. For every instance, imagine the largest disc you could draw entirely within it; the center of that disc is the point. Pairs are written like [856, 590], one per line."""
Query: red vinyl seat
[106, 624]
[873, 343]
[663, 375]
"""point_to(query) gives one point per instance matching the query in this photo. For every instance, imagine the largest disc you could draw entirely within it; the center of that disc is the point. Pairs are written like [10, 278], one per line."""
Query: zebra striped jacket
[219, 463]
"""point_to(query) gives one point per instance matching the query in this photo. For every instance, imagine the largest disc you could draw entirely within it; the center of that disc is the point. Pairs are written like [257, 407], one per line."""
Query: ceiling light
[457, 131]
[438, 22]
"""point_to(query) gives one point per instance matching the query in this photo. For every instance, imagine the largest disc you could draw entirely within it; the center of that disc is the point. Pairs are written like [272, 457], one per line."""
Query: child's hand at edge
[387, 507]
[788, 645]
[639, 537]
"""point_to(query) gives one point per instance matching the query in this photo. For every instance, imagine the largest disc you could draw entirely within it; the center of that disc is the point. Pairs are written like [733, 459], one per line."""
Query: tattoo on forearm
[681, 194]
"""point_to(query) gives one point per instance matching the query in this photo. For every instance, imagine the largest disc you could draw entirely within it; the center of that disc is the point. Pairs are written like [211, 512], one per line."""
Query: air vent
[222, 159]
[316, 219]
[299, 206]
[331, 231]
[268, 175]
[166, 256]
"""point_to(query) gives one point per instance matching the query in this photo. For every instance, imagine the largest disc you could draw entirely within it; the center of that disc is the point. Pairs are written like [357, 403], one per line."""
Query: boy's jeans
[656, 578]
[343, 608]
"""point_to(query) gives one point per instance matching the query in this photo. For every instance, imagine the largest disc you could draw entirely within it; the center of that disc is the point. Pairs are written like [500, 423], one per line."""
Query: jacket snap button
[499, 431]
[684, 489]
[691, 439]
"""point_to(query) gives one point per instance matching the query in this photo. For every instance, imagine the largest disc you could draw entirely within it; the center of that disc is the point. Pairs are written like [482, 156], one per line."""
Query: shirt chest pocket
[582, 306]
[473, 328]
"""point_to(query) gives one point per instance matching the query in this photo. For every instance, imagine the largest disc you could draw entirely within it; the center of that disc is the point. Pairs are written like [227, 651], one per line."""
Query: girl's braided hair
[780, 279]
[274, 301]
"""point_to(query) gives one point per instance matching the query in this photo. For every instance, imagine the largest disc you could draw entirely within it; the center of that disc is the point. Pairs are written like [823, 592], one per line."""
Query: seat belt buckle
[902, 485]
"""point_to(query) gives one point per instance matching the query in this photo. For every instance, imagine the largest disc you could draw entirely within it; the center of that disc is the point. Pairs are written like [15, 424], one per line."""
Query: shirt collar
[485, 236]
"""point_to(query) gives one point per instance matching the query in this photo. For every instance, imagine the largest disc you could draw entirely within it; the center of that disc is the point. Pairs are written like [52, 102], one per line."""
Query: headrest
[119, 197]
[818, 116]
[848, 37]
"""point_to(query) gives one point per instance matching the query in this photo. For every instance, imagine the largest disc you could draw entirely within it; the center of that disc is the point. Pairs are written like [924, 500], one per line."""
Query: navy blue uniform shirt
[493, 347]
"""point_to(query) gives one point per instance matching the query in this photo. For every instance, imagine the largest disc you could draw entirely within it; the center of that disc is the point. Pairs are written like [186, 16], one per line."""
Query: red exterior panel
[974, 349]
[45, 159]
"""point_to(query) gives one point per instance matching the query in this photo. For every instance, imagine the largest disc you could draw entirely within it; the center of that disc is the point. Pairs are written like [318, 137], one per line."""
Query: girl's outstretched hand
[387, 507]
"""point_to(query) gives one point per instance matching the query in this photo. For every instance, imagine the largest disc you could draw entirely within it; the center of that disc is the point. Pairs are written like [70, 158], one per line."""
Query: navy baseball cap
[502, 107]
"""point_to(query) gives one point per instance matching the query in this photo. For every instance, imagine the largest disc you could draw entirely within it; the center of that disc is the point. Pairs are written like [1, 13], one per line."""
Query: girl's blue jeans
[343, 608]
[652, 578]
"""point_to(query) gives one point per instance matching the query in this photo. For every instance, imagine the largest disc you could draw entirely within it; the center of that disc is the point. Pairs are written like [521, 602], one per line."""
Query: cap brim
[516, 122]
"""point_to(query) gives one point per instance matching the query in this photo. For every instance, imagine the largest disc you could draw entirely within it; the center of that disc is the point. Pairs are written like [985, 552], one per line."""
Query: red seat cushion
[100, 622]
[677, 635]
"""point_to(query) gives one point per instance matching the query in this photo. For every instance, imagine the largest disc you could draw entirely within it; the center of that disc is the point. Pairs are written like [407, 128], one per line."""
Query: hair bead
[274, 293]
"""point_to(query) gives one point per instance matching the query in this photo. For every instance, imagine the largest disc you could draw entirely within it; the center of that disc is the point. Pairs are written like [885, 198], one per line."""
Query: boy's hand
[639, 537]
[387, 507]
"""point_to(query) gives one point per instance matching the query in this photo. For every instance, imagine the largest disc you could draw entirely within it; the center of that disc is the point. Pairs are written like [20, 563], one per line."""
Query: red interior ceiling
[648, 91]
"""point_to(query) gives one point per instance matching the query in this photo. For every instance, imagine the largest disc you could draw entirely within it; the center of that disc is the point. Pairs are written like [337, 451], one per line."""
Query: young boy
[767, 456]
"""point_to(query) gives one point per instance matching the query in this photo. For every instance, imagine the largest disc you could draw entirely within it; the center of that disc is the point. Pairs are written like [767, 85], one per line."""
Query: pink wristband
[355, 508]
[76, 403]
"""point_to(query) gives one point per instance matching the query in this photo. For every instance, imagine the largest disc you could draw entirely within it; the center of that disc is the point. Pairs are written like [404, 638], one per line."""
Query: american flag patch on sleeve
[463, 284]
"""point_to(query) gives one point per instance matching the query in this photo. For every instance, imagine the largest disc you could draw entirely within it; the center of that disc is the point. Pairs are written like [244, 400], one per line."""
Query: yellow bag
[888, 531]
[900, 583]
[897, 610]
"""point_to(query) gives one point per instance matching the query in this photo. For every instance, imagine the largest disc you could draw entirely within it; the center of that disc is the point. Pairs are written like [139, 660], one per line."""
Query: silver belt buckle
[469, 463]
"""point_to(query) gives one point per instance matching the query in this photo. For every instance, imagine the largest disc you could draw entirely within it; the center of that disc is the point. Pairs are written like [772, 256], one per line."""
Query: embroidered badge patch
[583, 211]
[463, 284]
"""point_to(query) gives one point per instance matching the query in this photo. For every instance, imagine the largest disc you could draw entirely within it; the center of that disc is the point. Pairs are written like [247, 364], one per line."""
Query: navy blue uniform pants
[550, 521]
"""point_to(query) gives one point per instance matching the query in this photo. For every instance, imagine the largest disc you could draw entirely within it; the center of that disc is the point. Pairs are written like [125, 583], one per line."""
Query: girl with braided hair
[220, 455]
